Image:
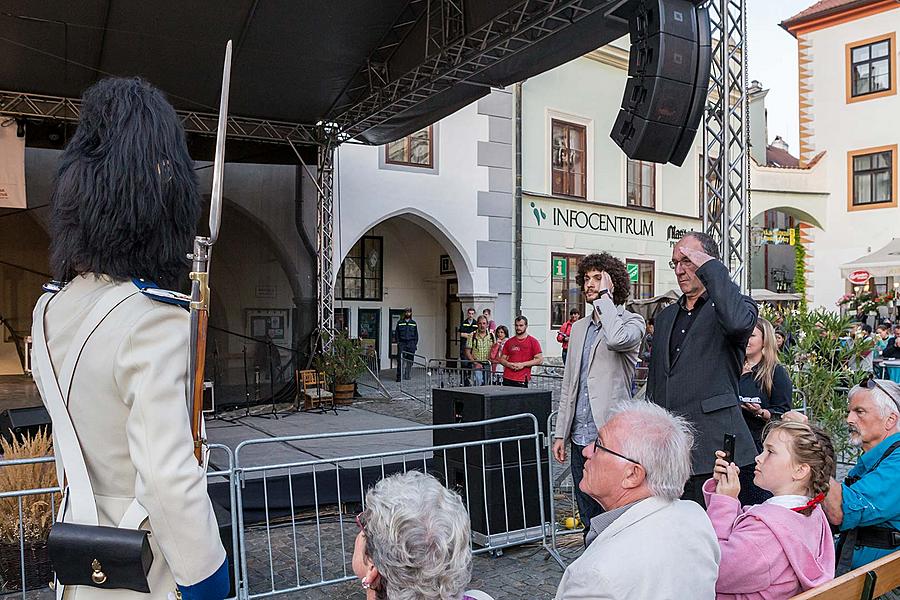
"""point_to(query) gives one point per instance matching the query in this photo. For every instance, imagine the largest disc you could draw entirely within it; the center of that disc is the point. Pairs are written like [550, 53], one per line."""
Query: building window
[870, 68]
[414, 150]
[569, 162]
[564, 291]
[361, 276]
[641, 273]
[641, 184]
[872, 178]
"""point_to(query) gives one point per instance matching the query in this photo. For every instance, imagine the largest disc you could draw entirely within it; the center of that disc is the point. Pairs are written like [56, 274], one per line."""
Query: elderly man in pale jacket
[648, 543]
[603, 352]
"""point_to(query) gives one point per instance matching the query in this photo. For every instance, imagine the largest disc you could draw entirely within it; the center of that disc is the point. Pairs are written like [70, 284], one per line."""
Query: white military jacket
[128, 406]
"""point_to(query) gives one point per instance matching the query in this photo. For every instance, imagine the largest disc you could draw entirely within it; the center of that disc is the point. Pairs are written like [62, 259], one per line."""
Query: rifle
[200, 258]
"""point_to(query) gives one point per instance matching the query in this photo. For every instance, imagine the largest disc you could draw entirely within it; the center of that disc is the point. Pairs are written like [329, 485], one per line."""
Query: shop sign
[632, 272]
[560, 268]
[673, 234]
[779, 236]
[859, 277]
[596, 221]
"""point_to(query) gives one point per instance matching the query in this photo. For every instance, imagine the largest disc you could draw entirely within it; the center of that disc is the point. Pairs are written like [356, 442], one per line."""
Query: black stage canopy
[376, 69]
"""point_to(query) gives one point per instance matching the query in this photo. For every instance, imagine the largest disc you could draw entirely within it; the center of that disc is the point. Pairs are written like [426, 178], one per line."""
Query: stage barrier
[448, 373]
[565, 520]
[413, 384]
[24, 563]
[300, 531]
[291, 526]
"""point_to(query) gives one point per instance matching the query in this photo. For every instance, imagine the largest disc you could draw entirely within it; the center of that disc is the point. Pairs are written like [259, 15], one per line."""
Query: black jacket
[701, 384]
[777, 402]
[891, 350]
[407, 333]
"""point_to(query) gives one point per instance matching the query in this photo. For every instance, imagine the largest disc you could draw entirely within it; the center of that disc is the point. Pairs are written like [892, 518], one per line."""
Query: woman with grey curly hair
[414, 541]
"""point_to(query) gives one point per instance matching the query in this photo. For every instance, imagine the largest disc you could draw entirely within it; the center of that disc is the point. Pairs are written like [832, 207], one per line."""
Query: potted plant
[342, 366]
[26, 529]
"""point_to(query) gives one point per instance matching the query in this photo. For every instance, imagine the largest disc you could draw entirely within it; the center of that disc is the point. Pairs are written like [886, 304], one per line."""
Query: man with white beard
[866, 507]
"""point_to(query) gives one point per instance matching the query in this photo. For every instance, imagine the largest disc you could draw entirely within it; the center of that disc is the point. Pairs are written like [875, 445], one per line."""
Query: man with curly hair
[603, 353]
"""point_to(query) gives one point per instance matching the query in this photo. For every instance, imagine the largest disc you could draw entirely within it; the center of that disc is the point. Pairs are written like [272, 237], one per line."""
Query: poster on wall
[269, 322]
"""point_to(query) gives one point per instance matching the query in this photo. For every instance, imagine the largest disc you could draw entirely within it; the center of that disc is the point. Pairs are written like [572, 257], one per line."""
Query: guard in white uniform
[126, 206]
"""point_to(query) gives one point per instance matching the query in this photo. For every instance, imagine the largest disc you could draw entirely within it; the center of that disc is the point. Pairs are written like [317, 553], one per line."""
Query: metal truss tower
[325, 239]
[725, 164]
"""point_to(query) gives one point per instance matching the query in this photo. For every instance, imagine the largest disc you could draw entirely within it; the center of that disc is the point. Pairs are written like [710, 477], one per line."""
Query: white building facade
[849, 134]
[426, 222]
[580, 193]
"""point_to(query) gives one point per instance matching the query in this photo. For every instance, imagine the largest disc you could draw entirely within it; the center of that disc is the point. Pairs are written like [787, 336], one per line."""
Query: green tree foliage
[823, 362]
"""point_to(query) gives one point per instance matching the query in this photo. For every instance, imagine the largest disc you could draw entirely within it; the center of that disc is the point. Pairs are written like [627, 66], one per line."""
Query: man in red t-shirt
[520, 353]
[565, 332]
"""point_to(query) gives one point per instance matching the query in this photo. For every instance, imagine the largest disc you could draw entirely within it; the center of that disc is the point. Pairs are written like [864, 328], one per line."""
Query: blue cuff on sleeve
[214, 587]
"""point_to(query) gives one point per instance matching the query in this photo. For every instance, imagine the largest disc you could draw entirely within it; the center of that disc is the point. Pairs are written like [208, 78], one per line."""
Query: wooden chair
[312, 390]
[867, 582]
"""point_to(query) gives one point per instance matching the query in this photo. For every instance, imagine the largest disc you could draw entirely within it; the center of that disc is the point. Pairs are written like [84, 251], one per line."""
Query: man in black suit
[698, 352]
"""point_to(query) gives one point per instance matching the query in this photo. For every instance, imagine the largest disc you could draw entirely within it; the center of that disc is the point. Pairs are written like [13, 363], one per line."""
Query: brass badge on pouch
[98, 576]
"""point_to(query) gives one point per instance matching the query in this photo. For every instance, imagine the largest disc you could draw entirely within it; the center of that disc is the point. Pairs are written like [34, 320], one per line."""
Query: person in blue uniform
[407, 336]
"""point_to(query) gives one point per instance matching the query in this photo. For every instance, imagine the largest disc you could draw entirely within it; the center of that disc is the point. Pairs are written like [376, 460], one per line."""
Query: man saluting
[698, 352]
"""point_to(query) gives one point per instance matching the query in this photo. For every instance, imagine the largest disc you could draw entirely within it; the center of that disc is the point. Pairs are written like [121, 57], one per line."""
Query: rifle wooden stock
[197, 400]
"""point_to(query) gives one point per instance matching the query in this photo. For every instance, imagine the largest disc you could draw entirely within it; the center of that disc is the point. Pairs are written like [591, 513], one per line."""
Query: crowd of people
[711, 487]
[487, 353]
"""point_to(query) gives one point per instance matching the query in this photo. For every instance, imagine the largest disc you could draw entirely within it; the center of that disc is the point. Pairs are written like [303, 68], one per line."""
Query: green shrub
[823, 364]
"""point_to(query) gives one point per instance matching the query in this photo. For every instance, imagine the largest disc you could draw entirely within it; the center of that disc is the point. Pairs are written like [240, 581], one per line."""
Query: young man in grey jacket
[603, 353]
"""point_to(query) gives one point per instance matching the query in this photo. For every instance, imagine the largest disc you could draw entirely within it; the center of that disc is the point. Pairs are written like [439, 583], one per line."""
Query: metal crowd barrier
[414, 382]
[35, 550]
[562, 496]
[292, 524]
[300, 532]
[447, 373]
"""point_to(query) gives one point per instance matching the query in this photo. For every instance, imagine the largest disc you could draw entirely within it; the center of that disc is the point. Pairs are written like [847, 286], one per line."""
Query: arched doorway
[777, 234]
[24, 269]
[404, 260]
[252, 314]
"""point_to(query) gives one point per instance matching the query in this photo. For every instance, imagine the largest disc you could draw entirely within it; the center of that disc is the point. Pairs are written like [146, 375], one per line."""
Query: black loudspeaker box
[23, 421]
[481, 403]
[500, 499]
[669, 66]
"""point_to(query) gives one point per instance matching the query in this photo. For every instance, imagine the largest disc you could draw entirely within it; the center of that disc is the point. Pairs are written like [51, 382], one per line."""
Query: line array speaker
[668, 79]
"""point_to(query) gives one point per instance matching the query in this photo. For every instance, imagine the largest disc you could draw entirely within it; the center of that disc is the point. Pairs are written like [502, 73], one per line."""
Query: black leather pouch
[101, 557]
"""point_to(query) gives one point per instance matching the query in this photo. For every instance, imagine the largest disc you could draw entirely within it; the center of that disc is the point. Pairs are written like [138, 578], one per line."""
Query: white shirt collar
[788, 501]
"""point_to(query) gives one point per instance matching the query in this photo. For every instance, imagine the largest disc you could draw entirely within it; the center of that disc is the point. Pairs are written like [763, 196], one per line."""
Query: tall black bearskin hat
[126, 202]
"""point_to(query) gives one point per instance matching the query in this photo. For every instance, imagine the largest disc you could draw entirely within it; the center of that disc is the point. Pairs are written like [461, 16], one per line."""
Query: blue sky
[772, 59]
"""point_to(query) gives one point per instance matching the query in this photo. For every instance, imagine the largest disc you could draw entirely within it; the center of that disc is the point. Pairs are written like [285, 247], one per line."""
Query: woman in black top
[766, 392]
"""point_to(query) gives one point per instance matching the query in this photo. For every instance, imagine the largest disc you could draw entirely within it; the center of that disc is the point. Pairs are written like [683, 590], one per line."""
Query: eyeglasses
[685, 263]
[599, 446]
[361, 521]
[870, 383]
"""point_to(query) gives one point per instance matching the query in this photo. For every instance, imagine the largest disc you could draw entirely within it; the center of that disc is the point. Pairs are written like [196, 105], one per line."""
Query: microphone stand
[270, 347]
[246, 383]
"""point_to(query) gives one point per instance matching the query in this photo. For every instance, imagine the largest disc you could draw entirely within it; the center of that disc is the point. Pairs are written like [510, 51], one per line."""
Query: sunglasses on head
[870, 383]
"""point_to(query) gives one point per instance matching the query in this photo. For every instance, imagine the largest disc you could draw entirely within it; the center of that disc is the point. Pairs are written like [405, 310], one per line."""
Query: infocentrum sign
[568, 217]
[597, 221]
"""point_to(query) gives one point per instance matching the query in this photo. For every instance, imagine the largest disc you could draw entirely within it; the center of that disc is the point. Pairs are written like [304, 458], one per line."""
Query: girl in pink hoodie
[783, 546]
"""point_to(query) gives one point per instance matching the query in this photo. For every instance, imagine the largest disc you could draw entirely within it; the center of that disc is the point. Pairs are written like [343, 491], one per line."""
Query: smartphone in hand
[728, 447]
